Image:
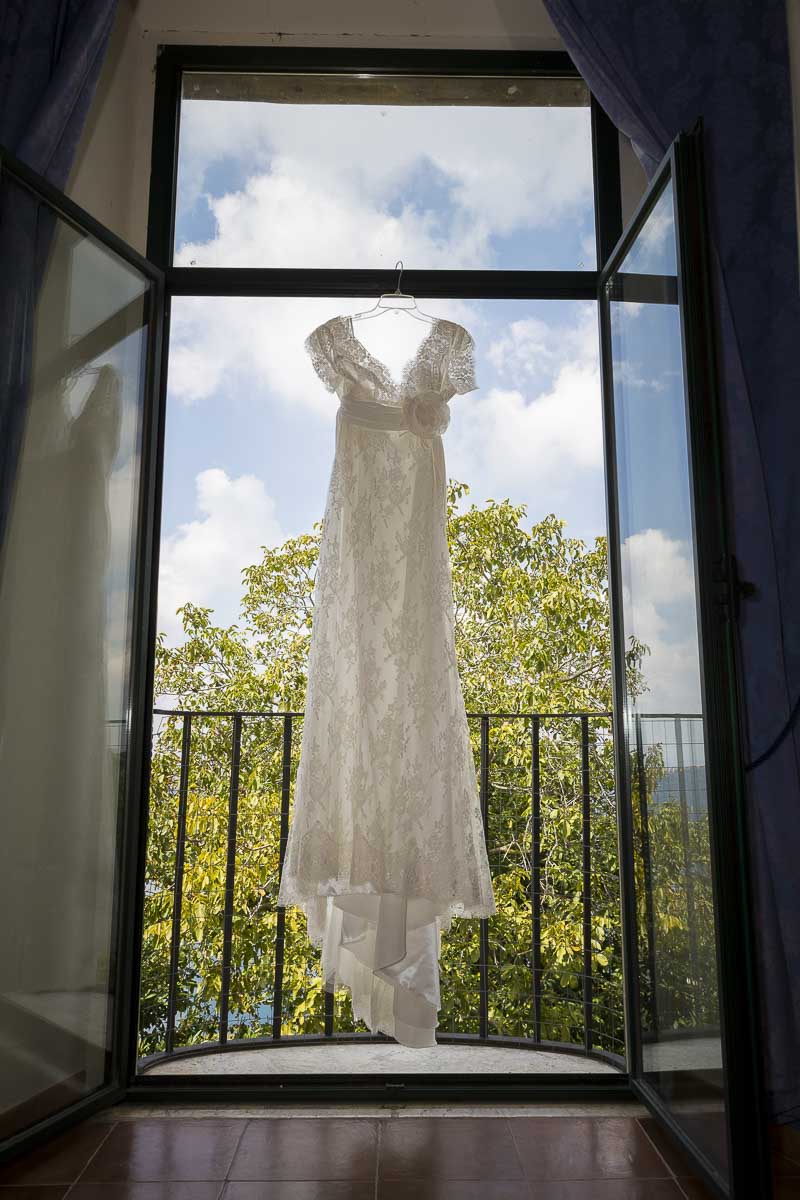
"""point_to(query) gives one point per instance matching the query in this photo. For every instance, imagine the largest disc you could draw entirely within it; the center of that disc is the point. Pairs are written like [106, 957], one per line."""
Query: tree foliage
[532, 636]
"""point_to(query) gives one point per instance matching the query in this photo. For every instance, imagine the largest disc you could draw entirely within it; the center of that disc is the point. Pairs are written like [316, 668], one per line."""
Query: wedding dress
[386, 843]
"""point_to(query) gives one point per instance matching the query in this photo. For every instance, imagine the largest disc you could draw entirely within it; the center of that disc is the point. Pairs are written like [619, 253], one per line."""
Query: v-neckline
[410, 364]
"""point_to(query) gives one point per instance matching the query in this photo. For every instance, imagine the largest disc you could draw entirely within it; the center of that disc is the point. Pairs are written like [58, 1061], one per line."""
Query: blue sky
[249, 426]
[659, 587]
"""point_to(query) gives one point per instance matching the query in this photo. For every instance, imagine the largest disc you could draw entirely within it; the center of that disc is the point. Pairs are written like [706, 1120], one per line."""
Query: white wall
[111, 176]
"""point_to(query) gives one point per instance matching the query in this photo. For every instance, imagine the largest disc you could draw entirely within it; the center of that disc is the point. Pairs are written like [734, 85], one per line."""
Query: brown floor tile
[677, 1162]
[58, 1161]
[163, 1190]
[576, 1148]
[306, 1189]
[313, 1149]
[783, 1165]
[695, 1190]
[707, 1131]
[448, 1148]
[607, 1189]
[784, 1188]
[34, 1193]
[166, 1150]
[453, 1189]
[785, 1139]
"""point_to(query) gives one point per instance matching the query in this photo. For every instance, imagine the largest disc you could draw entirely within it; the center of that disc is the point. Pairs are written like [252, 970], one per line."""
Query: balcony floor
[381, 1058]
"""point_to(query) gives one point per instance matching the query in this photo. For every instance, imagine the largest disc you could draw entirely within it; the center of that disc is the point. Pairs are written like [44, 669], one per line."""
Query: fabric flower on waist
[427, 413]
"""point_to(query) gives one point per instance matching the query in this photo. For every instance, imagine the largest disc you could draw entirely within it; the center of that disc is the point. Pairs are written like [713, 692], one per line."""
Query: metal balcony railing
[580, 739]
[672, 856]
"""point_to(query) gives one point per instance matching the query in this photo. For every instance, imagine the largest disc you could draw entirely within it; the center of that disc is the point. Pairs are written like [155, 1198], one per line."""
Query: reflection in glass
[65, 596]
[681, 1052]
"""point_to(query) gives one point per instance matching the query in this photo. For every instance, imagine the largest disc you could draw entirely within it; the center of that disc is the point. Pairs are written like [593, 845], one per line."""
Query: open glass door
[689, 1011]
[78, 370]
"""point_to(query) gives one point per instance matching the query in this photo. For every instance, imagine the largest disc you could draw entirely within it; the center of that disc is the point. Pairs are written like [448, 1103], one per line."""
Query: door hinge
[729, 587]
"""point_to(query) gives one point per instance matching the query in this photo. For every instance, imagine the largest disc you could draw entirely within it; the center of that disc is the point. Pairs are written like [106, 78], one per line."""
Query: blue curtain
[50, 59]
[655, 66]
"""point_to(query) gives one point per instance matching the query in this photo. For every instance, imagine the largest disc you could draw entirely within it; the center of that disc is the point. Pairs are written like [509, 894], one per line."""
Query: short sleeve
[461, 368]
[320, 349]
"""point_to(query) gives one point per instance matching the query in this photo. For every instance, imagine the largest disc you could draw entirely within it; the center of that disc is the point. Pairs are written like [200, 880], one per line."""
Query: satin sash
[369, 414]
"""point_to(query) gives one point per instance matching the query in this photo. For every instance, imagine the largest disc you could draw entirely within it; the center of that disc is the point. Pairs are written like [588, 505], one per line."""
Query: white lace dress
[386, 843]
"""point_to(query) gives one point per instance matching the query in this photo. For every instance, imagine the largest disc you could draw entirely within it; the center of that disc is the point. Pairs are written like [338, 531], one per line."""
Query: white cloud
[659, 228]
[539, 440]
[251, 348]
[515, 436]
[203, 559]
[195, 370]
[305, 193]
[255, 348]
[533, 351]
[589, 251]
[653, 251]
[286, 219]
[659, 605]
[314, 197]
[629, 374]
[535, 437]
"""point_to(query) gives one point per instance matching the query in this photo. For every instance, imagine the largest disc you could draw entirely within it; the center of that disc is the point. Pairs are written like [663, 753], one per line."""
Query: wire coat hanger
[385, 303]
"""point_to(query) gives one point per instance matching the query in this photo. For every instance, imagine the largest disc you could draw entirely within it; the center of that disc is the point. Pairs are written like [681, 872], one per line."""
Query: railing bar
[506, 716]
[659, 716]
[222, 712]
[687, 858]
[526, 716]
[177, 892]
[587, 885]
[485, 783]
[647, 871]
[483, 1011]
[536, 869]
[230, 877]
[280, 930]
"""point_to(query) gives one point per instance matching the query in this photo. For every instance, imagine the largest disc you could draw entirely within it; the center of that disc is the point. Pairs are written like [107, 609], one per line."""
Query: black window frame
[172, 62]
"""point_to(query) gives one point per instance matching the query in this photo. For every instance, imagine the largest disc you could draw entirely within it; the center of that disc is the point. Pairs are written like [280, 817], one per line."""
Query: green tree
[532, 636]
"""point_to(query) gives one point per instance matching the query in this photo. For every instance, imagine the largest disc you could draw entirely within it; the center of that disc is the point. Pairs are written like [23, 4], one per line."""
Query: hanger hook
[398, 266]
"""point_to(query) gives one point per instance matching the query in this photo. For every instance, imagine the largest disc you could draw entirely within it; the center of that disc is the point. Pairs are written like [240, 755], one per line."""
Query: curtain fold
[655, 67]
[50, 59]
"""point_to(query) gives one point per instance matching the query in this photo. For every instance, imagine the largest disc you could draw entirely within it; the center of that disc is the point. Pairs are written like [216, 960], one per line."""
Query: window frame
[172, 62]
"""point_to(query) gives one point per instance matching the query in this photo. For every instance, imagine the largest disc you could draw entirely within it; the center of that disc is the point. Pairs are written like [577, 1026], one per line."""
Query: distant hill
[667, 788]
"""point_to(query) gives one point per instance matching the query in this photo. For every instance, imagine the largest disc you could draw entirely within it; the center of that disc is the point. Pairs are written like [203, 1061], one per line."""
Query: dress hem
[384, 949]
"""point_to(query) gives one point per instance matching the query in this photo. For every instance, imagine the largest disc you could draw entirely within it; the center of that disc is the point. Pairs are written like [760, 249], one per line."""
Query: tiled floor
[361, 1158]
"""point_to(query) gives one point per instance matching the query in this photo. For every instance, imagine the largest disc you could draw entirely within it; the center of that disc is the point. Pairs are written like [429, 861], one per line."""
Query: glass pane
[358, 171]
[682, 1053]
[66, 567]
[249, 445]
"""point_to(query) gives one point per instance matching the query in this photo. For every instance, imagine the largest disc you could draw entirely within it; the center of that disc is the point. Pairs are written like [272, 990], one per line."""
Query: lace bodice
[444, 363]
